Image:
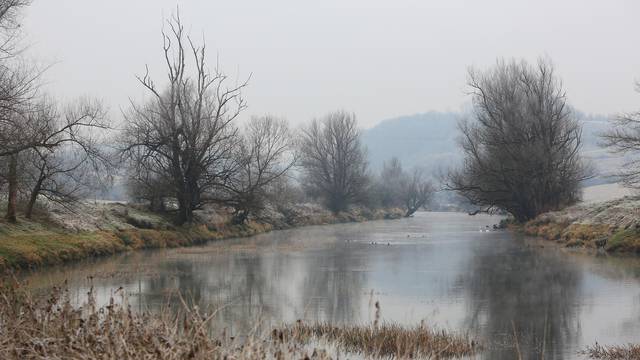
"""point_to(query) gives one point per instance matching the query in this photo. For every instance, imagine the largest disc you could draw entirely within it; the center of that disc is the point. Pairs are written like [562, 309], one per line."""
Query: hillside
[427, 140]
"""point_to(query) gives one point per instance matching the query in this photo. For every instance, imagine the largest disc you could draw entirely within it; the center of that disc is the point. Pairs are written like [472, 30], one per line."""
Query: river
[445, 269]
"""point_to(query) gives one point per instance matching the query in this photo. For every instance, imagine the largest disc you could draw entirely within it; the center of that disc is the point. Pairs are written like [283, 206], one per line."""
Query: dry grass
[387, 340]
[53, 329]
[615, 352]
[590, 236]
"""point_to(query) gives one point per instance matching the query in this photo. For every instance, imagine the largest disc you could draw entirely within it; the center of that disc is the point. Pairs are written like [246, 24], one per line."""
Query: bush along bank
[105, 229]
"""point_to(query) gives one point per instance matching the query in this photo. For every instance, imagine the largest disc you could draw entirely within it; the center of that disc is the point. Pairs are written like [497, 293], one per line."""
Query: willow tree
[522, 145]
[184, 135]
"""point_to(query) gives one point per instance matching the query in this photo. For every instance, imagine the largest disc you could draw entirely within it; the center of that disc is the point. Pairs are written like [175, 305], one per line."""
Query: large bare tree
[624, 138]
[184, 134]
[334, 160]
[522, 146]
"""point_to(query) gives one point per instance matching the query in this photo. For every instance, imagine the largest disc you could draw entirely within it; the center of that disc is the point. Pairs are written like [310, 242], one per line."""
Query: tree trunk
[32, 199]
[13, 189]
[410, 211]
[185, 210]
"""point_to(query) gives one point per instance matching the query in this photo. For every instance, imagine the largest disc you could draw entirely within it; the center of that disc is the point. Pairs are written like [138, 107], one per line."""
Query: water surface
[442, 268]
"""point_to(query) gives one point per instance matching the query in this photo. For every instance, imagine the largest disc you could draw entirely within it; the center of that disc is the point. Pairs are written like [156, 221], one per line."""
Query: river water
[445, 269]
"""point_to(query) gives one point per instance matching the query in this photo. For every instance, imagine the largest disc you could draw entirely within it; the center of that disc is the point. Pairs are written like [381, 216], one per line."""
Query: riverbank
[110, 228]
[612, 226]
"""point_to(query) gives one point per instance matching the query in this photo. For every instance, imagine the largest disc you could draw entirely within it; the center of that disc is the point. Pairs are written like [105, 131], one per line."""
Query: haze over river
[441, 268]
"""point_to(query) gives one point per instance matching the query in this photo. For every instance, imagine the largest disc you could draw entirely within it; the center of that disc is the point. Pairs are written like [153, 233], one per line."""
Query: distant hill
[429, 140]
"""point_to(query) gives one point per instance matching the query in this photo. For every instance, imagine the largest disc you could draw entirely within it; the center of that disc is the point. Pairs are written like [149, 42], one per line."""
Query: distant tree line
[180, 149]
[184, 146]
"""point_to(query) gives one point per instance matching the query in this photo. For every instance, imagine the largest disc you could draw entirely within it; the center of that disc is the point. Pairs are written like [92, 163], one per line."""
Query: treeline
[183, 148]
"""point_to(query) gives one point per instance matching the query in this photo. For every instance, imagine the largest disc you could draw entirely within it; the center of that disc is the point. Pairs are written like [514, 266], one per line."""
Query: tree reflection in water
[273, 285]
[530, 290]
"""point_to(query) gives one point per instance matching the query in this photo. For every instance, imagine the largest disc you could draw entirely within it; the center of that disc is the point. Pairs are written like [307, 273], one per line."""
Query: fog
[379, 59]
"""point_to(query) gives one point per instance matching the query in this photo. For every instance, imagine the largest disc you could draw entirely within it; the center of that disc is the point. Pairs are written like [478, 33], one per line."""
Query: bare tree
[416, 191]
[522, 147]
[184, 134]
[389, 187]
[624, 138]
[10, 11]
[144, 185]
[265, 156]
[64, 151]
[334, 161]
[30, 127]
[64, 168]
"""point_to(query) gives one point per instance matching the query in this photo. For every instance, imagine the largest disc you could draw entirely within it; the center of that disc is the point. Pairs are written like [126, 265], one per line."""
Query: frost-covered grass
[102, 229]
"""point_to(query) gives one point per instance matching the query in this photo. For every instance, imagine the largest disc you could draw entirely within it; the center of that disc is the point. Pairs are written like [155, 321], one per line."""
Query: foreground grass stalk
[386, 340]
[613, 352]
[51, 328]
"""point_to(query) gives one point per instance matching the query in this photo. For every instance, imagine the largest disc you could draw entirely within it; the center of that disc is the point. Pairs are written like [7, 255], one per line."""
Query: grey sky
[379, 59]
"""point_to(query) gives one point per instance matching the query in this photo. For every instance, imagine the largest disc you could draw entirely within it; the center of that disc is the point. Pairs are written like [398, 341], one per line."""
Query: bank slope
[612, 225]
[104, 229]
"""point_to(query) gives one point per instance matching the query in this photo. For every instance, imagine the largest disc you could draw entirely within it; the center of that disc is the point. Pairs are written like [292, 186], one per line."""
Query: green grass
[627, 240]
[31, 244]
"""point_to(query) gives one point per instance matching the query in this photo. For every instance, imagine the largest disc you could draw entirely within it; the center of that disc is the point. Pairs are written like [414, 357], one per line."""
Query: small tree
[390, 183]
[624, 138]
[265, 157]
[522, 147]
[415, 191]
[334, 161]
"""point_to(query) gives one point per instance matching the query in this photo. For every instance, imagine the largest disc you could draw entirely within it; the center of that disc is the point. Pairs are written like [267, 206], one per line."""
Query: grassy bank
[114, 228]
[612, 226]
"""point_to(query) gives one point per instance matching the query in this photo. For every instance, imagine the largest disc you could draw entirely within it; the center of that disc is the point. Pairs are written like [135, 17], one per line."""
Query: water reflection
[444, 269]
[520, 291]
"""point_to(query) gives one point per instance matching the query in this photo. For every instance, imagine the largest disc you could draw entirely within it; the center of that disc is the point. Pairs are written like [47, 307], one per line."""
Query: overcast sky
[379, 59]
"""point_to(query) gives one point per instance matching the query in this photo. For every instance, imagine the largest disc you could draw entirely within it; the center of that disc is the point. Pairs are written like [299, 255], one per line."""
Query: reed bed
[613, 352]
[386, 340]
[51, 327]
